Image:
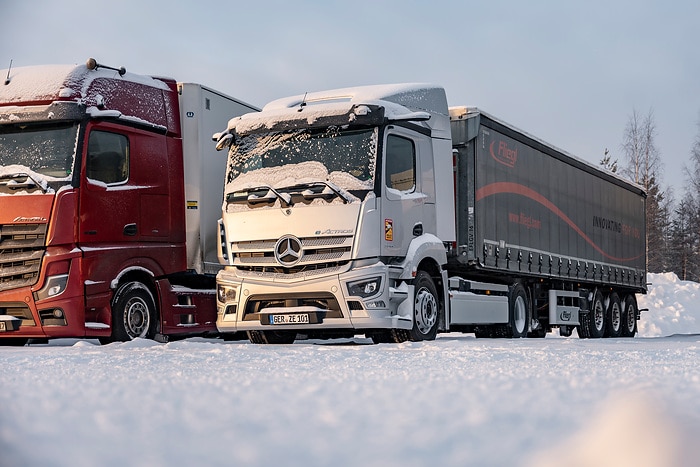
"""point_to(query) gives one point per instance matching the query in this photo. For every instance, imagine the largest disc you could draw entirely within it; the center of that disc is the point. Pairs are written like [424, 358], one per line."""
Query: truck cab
[331, 215]
[94, 186]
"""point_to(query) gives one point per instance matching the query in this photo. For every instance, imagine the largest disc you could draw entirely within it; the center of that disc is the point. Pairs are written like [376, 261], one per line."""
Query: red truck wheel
[133, 313]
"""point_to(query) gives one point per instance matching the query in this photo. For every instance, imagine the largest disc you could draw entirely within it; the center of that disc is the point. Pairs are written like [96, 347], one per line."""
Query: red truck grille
[21, 249]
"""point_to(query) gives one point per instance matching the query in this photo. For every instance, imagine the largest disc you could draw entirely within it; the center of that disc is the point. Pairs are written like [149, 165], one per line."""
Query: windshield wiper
[9, 181]
[251, 196]
[334, 191]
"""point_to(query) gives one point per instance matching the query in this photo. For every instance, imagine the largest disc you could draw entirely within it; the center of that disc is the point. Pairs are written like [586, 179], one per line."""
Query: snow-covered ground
[454, 401]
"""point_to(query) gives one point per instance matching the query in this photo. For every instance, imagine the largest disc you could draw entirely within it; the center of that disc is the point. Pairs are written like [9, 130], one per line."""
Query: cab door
[109, 203]
[402, 198]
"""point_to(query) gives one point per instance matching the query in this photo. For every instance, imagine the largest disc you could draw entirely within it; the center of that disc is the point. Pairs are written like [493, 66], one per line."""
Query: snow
[296, 174]
[454, 401]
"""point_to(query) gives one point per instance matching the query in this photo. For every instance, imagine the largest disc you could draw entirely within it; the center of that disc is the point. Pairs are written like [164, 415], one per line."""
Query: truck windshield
[44, 154]
[345, 158]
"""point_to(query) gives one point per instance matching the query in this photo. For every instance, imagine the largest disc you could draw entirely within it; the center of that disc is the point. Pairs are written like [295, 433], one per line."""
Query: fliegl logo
[504, 154]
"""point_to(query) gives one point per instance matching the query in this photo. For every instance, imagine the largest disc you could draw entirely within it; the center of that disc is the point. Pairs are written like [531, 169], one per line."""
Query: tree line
[673, 227]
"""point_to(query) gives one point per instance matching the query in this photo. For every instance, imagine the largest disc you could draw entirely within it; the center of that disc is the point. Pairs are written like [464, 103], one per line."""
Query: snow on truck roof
[104, 91]
[398, 100]
[46, 83]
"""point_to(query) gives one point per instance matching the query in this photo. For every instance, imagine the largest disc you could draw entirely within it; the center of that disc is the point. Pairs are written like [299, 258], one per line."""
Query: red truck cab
[93, 230]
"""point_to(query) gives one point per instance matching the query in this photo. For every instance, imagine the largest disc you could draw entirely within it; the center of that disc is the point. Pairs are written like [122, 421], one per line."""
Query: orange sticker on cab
[388, 230]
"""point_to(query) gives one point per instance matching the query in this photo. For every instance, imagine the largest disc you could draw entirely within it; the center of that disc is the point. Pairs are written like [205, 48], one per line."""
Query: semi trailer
[110, 193]
[379, 210]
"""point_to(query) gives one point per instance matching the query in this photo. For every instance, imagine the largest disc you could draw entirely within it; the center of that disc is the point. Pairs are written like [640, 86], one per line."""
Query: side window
[400, 163]
[107, 157]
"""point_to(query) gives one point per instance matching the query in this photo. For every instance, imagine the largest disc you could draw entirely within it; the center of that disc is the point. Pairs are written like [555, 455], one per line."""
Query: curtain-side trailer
[536, 218]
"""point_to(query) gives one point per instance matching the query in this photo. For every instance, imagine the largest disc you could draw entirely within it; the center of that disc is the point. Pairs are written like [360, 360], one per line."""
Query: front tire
[133, 313]
[426, 308]
[272, 337]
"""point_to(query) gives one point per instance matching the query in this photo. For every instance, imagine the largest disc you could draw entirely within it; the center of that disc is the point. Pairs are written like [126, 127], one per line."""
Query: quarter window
[107, 157]
[400, 163]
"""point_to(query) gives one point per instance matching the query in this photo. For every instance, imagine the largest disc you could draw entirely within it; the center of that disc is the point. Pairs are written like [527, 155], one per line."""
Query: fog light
[376, 304]
[58, 313]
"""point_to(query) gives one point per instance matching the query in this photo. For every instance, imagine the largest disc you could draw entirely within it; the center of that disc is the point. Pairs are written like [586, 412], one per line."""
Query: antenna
[7, 80]
[302, 104]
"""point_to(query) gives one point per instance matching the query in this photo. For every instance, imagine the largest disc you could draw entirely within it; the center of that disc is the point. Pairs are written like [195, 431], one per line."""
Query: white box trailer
[202, 111]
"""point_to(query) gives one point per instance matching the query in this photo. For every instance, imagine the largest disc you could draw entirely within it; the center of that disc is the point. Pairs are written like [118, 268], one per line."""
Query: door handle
[130, 230]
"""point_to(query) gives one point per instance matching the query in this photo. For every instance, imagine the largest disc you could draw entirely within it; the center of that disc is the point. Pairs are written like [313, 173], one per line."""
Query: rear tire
[593, 323]
[613, 316]
[518, 312]
[426, 309]
[629, 316]
[133, 313]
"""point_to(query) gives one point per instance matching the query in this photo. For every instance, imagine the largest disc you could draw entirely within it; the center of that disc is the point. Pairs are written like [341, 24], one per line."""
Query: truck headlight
[365, 288]
[225, 293]
[53, 286]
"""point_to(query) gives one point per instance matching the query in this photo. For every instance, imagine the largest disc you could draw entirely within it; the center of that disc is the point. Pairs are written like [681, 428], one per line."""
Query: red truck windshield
[39, 151]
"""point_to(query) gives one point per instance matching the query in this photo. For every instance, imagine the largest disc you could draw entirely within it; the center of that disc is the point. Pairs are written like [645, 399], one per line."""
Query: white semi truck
[378, 210]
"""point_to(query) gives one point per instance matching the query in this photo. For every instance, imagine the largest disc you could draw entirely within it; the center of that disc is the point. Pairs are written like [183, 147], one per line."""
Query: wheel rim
[630, 318]
[426, 310]
[598, 315]
[137, 319]
[616, 317]
[519, 315]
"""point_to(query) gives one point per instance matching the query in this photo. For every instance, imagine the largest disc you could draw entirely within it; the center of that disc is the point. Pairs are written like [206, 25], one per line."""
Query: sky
[570, 73]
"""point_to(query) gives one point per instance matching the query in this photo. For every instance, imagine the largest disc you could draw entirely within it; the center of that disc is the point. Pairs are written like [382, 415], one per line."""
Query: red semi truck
[110, 193]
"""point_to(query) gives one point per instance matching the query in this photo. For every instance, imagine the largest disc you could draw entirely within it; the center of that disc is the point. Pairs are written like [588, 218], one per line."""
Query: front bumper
[246, 303]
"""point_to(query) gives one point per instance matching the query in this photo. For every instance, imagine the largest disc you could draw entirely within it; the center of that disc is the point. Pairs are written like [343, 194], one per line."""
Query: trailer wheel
[518, 312]
[133, 313]
[272, 337]
[426, 308]
[613, 316]
[629, 316]
[593, 323]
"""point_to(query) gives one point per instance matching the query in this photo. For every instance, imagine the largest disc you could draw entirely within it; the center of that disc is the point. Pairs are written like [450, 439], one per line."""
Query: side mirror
[223, 140]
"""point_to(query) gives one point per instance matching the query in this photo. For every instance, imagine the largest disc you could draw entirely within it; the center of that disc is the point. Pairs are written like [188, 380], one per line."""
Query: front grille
[321, 300]
[318, 255]
[21, 249]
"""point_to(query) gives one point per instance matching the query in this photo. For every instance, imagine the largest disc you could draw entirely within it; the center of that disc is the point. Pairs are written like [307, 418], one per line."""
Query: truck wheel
[613, 316]
[518, 312]
[426, 308]
[272, 337]
[133, 313]
[593, 323]
[390, 336]
[629, 316]
[13, 342]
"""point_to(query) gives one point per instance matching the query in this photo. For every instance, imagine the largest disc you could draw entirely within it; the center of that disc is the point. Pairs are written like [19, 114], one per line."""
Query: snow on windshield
[345, 158]
[44, 154]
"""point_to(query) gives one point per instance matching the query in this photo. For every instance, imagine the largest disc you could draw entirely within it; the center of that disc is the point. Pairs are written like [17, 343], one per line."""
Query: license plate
[291, 318]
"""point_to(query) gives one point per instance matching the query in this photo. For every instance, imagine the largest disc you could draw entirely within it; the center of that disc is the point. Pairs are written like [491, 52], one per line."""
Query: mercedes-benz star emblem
[288, 251]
